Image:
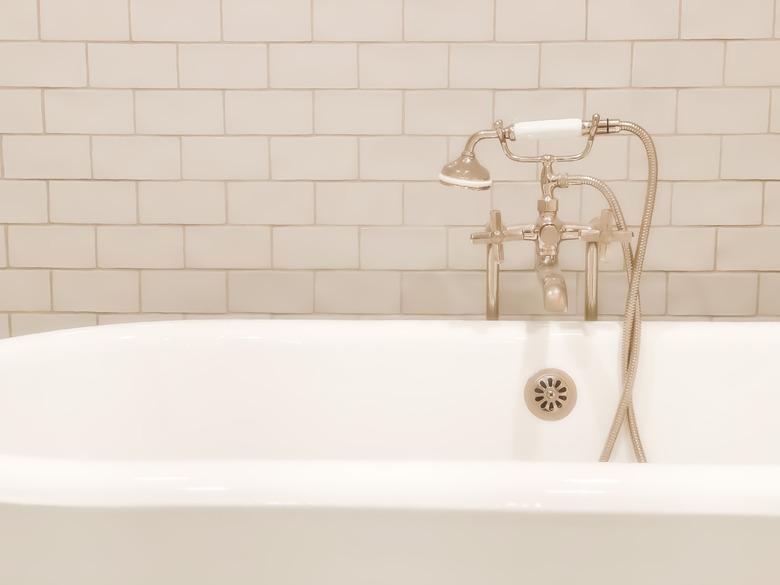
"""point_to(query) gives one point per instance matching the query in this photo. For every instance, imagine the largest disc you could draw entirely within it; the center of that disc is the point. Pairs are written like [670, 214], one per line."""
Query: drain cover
[550, 394]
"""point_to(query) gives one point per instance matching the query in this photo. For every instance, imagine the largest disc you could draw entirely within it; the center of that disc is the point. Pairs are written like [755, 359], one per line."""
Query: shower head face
[465, 171]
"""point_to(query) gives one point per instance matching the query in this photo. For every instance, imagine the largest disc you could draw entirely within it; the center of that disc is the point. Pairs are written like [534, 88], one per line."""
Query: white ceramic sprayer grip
[548, 128]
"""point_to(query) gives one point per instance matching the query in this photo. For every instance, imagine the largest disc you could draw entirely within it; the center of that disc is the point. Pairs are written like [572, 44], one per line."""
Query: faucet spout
[554, 293]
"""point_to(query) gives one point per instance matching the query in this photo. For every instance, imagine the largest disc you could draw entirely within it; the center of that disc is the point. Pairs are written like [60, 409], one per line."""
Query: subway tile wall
[168, 159]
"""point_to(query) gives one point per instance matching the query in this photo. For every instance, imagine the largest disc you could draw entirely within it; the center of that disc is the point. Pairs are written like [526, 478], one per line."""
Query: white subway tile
[5, 327]
[437, 204]
[359, 203]
[313, 65]
[207, 65]
[179, 112]
[443, 293]
[23, 202]
[79, 20]
[608, 159]
[227, 247]
[448, 20]
[177, 202]
[266, 20]
[551, 20]
[175, 20]
[653, 109]
[92, 202]
[769, 294]
[364, 292]
[51, 246]
[726, 19]
[717, 203]
[132, 65]
[403, 65]
[631, 197]
[29, 323]
[543, 104]
[750, 248]
[183, 291]
[136, 157]
[46, 157]
[43, 64]
[712, 294]
[680, 158]
[772, 203]
[504, 66]
[358, 112]
[752, 63]
[271, 291]
[271, 203]
[268, 112]
[403, 248]
[20, 111]
[447, 111]
[314, 157]
[357, 20]
[751, 157]
[140, 247]
[775, 114]
[464, 254]
[25, 290]
[402, 158]
[589, 64]
[675, 248]
[632, 19]
[714, 111]
[315, 247]
[678, 63]
[613, 287]
[18, 19]
[88, 111]
[225, 158]
[96, 290]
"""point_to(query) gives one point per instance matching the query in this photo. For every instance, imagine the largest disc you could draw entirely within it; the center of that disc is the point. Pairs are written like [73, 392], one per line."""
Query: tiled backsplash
[191, 158]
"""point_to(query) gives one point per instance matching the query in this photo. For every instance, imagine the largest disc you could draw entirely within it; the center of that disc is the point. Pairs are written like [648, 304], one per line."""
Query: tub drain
[550, 394]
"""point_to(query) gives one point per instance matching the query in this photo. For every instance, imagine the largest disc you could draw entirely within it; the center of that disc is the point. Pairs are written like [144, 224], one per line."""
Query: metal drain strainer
[550, 394]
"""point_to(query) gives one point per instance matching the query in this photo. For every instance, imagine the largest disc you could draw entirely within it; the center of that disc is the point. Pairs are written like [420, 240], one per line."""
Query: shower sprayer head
[465, 171]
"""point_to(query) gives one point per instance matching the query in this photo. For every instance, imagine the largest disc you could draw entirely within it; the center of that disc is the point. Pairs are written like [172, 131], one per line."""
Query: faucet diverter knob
[603, 232]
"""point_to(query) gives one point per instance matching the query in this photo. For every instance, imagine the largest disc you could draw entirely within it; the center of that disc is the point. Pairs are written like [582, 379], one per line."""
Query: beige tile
[92, 202]
[89, 111]
[78, 20]
[750, 248]
[268, 112]
[678, 63]
[359, 203]
[315, 247]
[772, 203]
[491, 66]
[227, 247]
[29, 323]
[25, 290]
[520, 294]
[775, 114]
[448, 20]
[712, 294]
[313, 65]
[551, 20]
[96, 290]
[284, 203]
[266, 20]
[20, 111]
[314, 157]
[447, 112]
[183, 291]
[51, 246]
[179, 112]
[364, 292]
[43, 64]
[18, 19]
[589, 64]
[223, 66]
[46, 157]
[712, 111]
[608, 159]
[5, 327]
[613, 287]
[726, 19]
[181, 202]
[402, 158]
[403, 65]
[23, 202]
[270, 291]
[132, 65]
[175, 20]
[631, 197]
[544, 104]
[357, 20]
[654, 109]
[432, 203]
[717, 203]
[140, 247]
[358, 112]
[403, 248]
[632, 19]
[443, 293]
[463, 254]
[518, 202]
[225, 158]
[680, 158]
[675, 248]
[751, 157]
[769, 294]
[136, 157]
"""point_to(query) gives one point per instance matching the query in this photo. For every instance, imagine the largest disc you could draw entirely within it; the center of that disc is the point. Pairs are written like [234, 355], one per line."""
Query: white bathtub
[384, 453]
